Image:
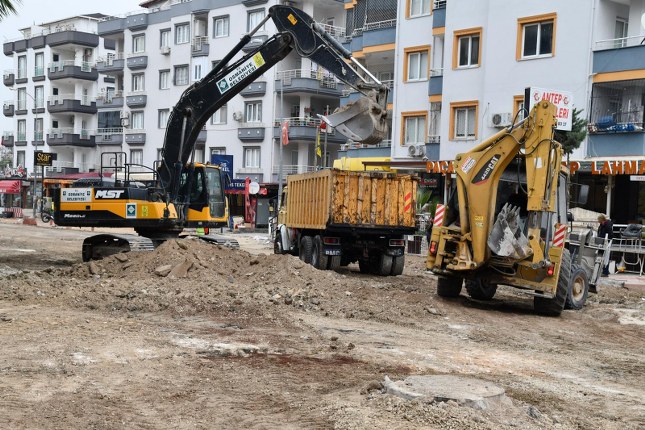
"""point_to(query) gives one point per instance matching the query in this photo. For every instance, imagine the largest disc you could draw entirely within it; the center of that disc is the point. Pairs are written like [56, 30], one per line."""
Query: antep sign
[43, 158]
[563, 101]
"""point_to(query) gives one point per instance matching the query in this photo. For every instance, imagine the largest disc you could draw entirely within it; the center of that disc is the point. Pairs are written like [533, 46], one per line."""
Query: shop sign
[563, 101]
[637, 178]
[614, 167]
[44, 158]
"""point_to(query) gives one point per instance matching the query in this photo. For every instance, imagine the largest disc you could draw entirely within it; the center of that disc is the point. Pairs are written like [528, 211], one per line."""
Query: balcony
[67, 167]
[136, 99]
[290, 169]
[72, 37]
[306, 129]
[21, 139]
[70, 137]
[373, 34]
[618, 108]
[435, 83]
[7, 139]
[67, 69]
[617, 55]
[8, 108]
[109, 136]
[251, 131]
[69, 103]
[137, 61]
[255, 89]
[309, 81]
[38, 139]
[7, 48]
[21, 108]
[8, 78]
[200, 46]
[113, 63]
[439, 14]
[39, 74]
[137, 22]
[350, 95]
[135, 137]
[109, 100]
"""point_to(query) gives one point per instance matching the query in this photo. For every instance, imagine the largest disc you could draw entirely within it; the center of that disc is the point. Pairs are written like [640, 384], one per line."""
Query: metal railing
[439, 4]
[387, 143]
[7, 103]
[137, 54]
[108, 96]
[6, 73]
[39, 71]
[291, 169]
[326, 78]
[436, 72]
[621, 42]
[6, 134]
[58, 132]
[388, 23]
[55, 66]
[110, 57]
[298, 122]
[334, 31]
[85, 100]
[198, 41]
[21, 137]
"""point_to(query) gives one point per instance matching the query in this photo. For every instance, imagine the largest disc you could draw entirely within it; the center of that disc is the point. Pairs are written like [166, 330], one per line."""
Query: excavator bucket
[363, 121]
[506, 239]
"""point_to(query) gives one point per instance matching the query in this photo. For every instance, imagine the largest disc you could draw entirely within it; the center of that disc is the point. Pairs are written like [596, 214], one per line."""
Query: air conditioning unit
[501, 119]
[124, 114]
[237, 116]
[165, 50]
[421, 150]
[416, 150]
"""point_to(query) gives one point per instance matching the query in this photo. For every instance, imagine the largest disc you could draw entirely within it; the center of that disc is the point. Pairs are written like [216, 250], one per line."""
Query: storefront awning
[9, 187]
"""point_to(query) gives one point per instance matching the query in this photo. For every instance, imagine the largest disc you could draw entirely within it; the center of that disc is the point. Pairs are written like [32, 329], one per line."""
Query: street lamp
[33, 198]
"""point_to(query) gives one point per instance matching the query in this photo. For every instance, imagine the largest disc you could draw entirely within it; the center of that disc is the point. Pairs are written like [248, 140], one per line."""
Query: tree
[570, 140]
[7, 7]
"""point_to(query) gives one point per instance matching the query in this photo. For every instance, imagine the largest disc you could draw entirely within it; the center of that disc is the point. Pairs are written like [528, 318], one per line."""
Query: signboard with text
[225, 162]
[44, 158]
[563, 101]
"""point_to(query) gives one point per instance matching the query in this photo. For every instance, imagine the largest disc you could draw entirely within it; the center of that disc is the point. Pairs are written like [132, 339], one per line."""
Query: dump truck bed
[337, 198]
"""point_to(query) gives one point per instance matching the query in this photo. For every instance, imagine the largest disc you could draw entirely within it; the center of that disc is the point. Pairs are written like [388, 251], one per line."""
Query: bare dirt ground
[229, 339]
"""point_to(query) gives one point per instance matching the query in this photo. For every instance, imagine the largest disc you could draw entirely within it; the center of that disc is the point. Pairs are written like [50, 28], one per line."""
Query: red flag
[285, 133]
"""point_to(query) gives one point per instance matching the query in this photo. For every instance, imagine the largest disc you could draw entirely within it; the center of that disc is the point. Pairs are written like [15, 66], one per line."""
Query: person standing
[605, 230]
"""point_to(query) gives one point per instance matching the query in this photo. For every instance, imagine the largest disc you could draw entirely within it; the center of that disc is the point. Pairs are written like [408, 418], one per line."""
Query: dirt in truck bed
[193, 335]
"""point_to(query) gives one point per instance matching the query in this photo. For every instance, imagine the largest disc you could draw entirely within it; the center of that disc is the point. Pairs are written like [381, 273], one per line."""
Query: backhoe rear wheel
[578, 288]
[306, 249]
[480, 289]
[554, 306]
[448, 286]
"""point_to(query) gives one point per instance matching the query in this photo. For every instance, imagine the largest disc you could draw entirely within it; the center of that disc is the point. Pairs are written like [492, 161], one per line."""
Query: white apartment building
[160, 51]
[54, 83]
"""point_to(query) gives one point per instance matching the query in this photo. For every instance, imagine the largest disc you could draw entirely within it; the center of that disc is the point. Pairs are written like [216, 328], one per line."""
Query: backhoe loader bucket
[506, 239]
[364, 121]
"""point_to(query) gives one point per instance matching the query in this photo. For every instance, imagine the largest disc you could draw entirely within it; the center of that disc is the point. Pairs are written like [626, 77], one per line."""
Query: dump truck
[332, 218]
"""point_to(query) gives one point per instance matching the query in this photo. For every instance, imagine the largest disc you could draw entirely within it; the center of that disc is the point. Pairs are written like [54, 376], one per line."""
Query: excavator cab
[201, 196]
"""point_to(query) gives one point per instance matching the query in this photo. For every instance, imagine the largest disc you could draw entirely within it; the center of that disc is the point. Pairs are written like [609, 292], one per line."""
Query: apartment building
[160, 51]
[54, 83]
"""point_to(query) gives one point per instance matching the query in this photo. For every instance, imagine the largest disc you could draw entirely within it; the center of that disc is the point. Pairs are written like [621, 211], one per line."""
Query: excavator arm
[296, 30]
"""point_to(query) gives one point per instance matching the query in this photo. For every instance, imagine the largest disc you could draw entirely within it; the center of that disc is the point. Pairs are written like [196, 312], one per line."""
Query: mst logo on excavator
[484, 173]
[109, 194]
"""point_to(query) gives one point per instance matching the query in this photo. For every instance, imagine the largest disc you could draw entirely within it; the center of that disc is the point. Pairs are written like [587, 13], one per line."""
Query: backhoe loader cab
[505, 222]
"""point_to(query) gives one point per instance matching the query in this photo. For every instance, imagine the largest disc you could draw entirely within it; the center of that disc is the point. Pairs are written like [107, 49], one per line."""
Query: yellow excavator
[505, 221]
[187, 194]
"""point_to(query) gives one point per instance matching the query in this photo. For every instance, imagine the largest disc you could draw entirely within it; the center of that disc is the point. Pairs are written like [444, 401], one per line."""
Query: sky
[32, 12]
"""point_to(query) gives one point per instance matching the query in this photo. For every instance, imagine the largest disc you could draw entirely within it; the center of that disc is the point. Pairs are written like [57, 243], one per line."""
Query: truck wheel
[578, 288]
[318, 258]
[384, 267]
[480, 289]
[449, 286]
[306, 249]
[397, 265]
[277, 245]
[554, 306]
[334, 262]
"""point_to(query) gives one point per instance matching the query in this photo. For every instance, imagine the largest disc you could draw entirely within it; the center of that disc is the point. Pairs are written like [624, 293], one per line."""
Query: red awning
[9, 187]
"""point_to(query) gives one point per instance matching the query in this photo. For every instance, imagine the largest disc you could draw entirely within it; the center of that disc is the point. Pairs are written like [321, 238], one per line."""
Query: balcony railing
[109, 131]
[334, 31]
[439, 4]
[622, 42]
[198, 41]
[354, 145]
[39, 71]
[436, 72]
[85, 100]
[292, 169]
[55, 66]
[58, 132]
[110, 58]
[108, 96]
[388, 23]
[298, 122]
[325, 77]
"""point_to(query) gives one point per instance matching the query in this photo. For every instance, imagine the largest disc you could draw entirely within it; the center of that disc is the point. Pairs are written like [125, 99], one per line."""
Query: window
[536, 36]
[20, 158]
[39, 93]
[252, 158]
[22, 67]
[163, 118]
[466, 48]
[197, 72]
[253, 111]
[136, 156]
[38, 129]
[182, 34]
[418, 7]
[136, 120]
[254, 17]
[620, 33]
[164, 38]
[463, 120]
[416, 63]
[138, 82]
[220, 26]
[22, 130]
[219, 117]
[22, 99]
[164, 79]
[138, 43]
[109, 119]
[518, 106]
[414, 127]
[39, 64]
[181, 75]
[434, 122]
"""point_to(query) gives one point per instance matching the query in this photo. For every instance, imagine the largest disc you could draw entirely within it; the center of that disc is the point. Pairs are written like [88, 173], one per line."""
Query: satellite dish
[643, 20]
[254, 188]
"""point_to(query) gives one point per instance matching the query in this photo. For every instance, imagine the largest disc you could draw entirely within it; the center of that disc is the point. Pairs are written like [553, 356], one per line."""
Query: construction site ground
[193, 335]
